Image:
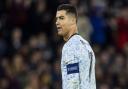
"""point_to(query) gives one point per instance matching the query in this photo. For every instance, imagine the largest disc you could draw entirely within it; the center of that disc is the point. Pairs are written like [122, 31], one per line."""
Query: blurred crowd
[30, 49]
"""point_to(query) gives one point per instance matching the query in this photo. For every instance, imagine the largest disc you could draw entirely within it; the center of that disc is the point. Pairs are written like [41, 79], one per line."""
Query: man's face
[62, 22]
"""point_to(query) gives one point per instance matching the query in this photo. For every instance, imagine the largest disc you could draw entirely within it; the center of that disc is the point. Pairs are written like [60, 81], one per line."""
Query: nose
[57, 22]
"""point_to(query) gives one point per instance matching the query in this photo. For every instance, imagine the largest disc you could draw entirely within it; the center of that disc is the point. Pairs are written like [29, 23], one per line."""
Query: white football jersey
[78, 64]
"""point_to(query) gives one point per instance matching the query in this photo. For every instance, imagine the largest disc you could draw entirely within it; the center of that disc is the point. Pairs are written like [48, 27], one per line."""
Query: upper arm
[72, 71]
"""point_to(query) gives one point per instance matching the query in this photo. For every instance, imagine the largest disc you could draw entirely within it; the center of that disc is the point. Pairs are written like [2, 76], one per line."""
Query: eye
[61, 18]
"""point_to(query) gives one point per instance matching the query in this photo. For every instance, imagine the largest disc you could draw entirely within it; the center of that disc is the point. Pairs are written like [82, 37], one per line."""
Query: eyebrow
[58, 17]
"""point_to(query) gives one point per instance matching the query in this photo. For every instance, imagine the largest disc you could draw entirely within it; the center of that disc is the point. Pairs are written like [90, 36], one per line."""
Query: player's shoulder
[76, 41]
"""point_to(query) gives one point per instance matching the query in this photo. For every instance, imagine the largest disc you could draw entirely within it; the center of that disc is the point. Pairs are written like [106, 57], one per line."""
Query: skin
[66, 24]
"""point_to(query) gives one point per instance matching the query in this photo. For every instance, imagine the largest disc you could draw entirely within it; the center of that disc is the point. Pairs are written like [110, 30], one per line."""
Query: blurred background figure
[30, 49]
[16, 38]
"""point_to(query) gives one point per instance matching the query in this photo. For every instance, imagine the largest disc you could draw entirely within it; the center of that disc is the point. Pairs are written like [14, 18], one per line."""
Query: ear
[73, 20]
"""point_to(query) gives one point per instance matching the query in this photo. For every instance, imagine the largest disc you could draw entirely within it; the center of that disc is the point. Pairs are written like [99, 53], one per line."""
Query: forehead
[61, 13]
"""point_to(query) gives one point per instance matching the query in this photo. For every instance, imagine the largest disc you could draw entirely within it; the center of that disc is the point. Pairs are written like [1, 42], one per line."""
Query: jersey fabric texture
[78, 64]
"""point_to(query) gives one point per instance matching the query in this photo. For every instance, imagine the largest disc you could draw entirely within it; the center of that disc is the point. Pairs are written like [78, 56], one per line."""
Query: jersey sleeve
[72, 70]
[78, 67]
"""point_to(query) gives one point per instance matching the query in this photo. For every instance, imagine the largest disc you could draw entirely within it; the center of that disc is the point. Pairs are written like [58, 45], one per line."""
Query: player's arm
[73, 72]
[79, 60]
[72, 69]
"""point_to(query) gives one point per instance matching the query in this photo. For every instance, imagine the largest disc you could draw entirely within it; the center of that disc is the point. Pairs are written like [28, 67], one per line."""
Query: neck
[72, 31]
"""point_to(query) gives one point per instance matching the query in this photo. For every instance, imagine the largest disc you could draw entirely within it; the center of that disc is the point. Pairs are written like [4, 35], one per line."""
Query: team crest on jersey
[73, 68]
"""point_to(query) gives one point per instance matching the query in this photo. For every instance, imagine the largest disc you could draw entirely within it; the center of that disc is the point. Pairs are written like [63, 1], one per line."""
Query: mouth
[59, 28]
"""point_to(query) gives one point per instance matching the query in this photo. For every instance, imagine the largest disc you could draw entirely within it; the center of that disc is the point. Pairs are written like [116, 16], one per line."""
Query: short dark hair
[68, 8]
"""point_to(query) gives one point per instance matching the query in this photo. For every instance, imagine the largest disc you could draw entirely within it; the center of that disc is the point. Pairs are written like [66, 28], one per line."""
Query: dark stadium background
[30, 49]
